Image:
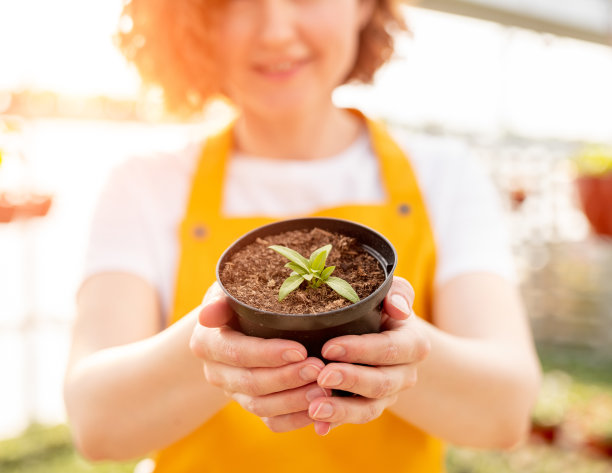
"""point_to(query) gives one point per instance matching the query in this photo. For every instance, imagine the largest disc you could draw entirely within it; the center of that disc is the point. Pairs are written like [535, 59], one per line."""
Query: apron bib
[234, 440]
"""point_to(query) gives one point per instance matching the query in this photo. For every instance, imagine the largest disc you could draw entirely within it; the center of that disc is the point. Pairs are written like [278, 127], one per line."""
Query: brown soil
[254, 274]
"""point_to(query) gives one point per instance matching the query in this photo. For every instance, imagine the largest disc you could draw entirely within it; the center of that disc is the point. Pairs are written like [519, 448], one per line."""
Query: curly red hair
[167, 41]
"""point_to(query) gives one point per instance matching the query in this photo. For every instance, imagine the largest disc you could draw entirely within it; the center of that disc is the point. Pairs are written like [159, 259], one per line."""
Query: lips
[280, 69]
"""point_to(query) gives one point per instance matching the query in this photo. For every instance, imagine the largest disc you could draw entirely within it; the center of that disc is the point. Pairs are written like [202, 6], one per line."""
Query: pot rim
[388, 275]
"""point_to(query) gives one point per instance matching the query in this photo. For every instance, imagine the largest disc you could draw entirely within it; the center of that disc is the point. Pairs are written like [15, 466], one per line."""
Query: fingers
[398, 301]
[215, 311]
[407, 344]
[322, 428]
[213, 339]
[348, 410]
[281, 403]
[228, 346]
[288, 422]
[262, 381]
[368, 381]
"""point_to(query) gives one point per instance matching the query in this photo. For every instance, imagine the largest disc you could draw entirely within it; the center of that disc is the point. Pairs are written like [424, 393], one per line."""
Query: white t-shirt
[135, 223]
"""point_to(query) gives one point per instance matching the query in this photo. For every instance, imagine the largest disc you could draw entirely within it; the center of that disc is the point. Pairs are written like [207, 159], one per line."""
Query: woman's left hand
[392, 357]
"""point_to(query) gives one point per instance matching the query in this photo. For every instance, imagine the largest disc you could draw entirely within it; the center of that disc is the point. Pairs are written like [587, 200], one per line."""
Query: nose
[277, 22]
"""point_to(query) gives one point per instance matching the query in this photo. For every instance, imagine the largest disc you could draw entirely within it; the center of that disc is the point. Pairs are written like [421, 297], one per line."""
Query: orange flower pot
[600, 446]
[24, 207]
[7, 210]
[35, 206]
[595, 194]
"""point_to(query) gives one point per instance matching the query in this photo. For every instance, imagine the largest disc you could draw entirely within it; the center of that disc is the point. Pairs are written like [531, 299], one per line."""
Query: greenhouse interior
[523, 86]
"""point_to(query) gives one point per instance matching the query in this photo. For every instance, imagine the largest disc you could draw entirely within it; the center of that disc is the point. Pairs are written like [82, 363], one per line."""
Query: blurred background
[525, 84]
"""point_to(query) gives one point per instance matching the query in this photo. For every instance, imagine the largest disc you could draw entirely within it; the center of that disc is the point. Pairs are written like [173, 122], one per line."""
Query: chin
[283, 107]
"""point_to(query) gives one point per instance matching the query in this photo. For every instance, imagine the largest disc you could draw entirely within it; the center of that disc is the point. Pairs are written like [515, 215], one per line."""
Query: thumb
[399, 299]
[215, 310]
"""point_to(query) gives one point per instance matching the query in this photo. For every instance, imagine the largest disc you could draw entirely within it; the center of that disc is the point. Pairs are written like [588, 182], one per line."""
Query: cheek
[229, 48]
[232, 38]
[335, 32]
[340, 49]
[230, 65]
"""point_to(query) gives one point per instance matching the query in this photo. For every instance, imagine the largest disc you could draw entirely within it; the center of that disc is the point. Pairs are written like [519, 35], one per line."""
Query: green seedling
[313, 271]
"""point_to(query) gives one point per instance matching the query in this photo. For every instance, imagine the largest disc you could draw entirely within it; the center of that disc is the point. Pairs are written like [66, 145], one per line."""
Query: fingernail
[326, 428]
[309, 372]
[293, 356]
[334, 378]
[324, 411]
[333, 352]
[213, 299]
[314, 393]
[401, 303]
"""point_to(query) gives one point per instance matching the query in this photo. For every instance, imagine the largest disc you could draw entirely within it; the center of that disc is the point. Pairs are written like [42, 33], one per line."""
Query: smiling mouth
[280, 69]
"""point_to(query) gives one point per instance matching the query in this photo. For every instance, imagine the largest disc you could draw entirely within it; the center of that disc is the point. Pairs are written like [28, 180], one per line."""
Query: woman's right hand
[271, 378]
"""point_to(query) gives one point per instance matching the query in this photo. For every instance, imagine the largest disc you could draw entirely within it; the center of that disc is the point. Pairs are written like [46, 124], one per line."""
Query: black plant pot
[313, 330]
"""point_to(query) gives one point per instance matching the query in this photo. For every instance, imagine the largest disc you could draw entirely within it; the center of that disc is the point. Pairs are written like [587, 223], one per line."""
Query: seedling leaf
[312, 270]
[291, 255]
[315, 254]
[343, 288]
[296, 267]
[316, 260]
[289, 285]
[319, 262]
[327, 272]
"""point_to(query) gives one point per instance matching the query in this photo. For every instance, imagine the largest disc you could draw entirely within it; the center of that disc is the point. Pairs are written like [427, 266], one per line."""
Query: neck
[307, 135]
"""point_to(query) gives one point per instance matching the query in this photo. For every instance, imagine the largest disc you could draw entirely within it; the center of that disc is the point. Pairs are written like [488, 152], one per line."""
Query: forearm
[128, 400]
[472, 391]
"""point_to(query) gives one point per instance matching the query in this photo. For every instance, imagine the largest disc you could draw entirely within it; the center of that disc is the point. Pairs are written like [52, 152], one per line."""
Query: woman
[135, 384]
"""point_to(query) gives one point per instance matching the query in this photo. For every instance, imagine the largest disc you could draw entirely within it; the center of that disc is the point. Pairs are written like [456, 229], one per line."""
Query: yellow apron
[235, 440]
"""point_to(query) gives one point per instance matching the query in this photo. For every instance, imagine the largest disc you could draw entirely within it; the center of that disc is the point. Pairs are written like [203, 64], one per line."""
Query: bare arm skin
[128, 385]
[482, 375]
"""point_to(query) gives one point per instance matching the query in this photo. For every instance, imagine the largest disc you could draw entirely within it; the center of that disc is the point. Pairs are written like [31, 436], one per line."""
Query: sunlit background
[525, 100]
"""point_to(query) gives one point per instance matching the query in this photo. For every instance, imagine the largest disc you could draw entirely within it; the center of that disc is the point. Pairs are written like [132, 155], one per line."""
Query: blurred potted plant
[594, 183]
[7, 210]
[551, 407]
[588, 424]
[15, 203]
[599, 426]
[601, 444]
[36, 205]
